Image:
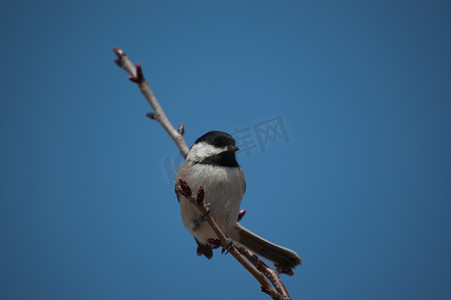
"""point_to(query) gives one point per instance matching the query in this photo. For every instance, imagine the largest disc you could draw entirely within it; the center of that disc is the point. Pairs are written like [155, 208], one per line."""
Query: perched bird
[211, 162]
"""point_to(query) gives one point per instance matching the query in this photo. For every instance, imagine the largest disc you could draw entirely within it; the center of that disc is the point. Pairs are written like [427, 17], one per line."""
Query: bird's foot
[228, 246]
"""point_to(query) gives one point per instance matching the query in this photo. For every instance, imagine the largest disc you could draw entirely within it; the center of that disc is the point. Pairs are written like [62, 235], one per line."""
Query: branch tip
[119, 52]
[151, 115]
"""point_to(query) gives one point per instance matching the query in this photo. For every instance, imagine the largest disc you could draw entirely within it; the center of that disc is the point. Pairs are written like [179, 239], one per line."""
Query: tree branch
[136, 75]
[239, 253]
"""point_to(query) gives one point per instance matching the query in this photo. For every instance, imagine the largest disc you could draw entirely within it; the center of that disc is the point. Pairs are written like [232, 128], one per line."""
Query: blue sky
[360, 187]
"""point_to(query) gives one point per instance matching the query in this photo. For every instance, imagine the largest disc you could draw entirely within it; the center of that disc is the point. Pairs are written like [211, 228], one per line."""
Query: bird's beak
[234, 148]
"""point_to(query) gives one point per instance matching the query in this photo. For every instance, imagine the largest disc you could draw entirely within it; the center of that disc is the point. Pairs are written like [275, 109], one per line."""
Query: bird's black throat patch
[223, 159]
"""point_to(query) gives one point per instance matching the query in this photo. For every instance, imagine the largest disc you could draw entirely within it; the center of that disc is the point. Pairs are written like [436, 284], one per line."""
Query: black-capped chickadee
[211, 162]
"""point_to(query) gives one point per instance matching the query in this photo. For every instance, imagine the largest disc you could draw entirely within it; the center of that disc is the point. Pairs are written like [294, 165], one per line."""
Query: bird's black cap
[218, 139]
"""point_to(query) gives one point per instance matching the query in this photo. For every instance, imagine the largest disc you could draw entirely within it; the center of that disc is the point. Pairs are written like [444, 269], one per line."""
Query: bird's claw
[227, 247]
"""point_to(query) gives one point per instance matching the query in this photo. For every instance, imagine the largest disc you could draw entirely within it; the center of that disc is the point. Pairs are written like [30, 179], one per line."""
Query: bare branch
[136, 75]
[123, 61]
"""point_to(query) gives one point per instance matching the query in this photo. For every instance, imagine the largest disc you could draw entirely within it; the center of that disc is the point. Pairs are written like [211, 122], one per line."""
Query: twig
[158, 114]
[185, 190]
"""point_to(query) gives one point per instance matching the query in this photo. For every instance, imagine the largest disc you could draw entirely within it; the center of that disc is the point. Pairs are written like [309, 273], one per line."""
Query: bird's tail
[280, 256]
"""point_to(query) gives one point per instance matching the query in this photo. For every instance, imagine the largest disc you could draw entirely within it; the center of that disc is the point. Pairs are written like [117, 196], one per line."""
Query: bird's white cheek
[201, 151]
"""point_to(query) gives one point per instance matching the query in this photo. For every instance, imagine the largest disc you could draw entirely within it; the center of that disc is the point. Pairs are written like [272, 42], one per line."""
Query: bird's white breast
[224, 188]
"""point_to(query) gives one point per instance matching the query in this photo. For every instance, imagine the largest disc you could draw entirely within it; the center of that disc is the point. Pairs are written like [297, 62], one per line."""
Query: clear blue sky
[360, 186]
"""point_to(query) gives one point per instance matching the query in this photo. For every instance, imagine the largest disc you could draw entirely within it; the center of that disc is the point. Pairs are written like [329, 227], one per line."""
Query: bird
[211, 162]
